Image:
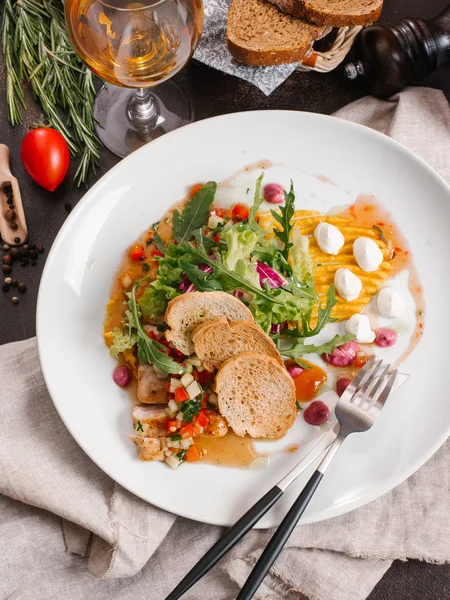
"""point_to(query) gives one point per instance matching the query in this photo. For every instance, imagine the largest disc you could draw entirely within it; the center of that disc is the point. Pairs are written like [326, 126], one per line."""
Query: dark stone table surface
[213, 93]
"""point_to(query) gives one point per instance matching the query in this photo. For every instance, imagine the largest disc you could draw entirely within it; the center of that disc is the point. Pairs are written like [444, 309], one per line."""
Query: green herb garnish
[380, 233]
[156, 225]
[195, 213]
[284, 219]
[181, 454]
[297, 404]
[190, 409]
[145, 267]
[139, 427]
[300, 348]
[257, 201]
[150, 351]
[175, 438]
[161, 246]
[420, 313]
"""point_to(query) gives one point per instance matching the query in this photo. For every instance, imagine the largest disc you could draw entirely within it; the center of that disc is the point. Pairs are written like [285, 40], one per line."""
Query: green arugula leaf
[299, 349]
[195, 213]
[159, 243]
[380, 233]
[323, 316]
[257, 201]
[284, 219]
[203, 240]
[199, 278]
[190, 409]
[150, 351]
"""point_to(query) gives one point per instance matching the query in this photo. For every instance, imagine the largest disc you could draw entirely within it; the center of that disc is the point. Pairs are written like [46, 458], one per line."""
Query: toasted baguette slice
[256, 396]
[185, 312]
[216, 341]
[335, 13]
[260, 34]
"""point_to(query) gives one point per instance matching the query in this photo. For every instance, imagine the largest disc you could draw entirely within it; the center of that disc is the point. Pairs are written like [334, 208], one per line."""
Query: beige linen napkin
[118, 547]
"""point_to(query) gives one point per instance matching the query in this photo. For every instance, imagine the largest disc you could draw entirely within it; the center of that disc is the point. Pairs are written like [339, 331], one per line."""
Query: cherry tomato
[45, 156]
[137, 253]
[240, 212]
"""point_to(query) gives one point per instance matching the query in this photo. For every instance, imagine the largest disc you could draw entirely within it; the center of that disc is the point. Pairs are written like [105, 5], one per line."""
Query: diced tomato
[360, 361]
[187, 431]
[151, 334]
[171, 426]
[192, 454]
[217, 238]
[137, 253]
[220, 212]
[156, 253]
[202, 418]
[194, 189]
[240, 212]
[181, 395]
[204, 401]
[203, 378]
[176, 353]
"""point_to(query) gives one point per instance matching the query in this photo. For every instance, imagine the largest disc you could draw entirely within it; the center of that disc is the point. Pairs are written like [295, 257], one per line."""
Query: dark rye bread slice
[218, 340]
[256, 395]
[260, 34]
[334, 13]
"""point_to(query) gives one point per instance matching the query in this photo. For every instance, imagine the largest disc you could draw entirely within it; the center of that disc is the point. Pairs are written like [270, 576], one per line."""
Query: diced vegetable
[181, 395]
[214, 221]
[137, 253]
[194, 361]
[213, 399]
[240, 212]
[187, 379]
[171, 426]
[202, 419]
[173, 406]
[187, 431]
[173, 461]
[189, 368]
[193, 390]
[126, 281]
[185, 444]
[192, 454]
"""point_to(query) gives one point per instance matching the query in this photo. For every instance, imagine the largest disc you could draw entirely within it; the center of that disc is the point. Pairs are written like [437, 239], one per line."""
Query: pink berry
[294, 370]
[273, 193]
[317, 413]
[342, 356]
[122, 375]
[385, 338]
[341, 385]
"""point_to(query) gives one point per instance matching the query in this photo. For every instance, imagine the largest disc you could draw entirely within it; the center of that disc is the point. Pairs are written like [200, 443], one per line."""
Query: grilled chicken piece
[149, 421]
[217, 426]
[151, 389]
[149, 448]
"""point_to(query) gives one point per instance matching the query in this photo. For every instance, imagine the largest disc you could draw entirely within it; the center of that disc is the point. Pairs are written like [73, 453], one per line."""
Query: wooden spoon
[10, 214]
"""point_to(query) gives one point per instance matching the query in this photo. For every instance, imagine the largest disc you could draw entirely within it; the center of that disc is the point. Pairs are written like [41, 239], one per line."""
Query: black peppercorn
[14, 225]
[6, 259]
[15, 300]
[40, 249]
[5, 287]
[6, 269]
[145, 267]
[22, 288]
[17, 240]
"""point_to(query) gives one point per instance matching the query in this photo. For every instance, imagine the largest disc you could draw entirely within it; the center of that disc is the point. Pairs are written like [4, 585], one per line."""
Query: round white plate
[129, 198]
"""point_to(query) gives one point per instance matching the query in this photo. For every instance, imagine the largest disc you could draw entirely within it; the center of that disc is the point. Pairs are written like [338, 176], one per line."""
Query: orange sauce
[229, 450]
[367, 212]
[309, 382]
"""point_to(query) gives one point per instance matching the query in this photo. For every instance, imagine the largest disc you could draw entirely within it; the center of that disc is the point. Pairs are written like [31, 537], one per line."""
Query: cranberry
[122, 375]
[273, 193]
[385, 338]
[341, 385]
[294, 370]
[342, 356]
[317, 413]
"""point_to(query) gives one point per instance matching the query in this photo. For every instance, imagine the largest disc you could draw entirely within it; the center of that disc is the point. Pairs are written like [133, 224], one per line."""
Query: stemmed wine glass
[135, 46]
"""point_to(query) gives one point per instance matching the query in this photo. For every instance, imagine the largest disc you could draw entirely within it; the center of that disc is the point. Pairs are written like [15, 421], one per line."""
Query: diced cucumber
[193, 390]
[187, 379]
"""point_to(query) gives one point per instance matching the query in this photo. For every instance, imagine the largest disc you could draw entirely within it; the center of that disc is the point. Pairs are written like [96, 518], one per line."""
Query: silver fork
[356, 411]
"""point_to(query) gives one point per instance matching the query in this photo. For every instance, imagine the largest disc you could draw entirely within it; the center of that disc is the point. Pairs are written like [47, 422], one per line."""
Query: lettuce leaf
[122, 340]
[299, 258]
[241, 242]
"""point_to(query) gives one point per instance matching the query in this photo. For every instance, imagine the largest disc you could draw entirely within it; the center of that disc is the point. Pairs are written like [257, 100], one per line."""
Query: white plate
[79, 270]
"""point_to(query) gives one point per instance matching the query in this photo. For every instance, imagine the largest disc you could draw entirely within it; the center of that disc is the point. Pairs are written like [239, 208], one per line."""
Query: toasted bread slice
[335, 13]
[185, 312]
[256, 396]
[260, 34]
[216, 341]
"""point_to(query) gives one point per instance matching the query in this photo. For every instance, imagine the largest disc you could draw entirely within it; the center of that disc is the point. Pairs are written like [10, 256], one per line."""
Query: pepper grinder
[388, 58]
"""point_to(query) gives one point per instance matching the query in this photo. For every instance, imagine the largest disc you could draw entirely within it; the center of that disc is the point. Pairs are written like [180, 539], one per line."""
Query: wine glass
[135, 46]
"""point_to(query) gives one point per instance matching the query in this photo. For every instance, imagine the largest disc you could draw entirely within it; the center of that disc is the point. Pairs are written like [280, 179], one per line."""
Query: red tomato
[137, 253]
[157, 253]
[187, 431]
[171, 426]
[240, 212]
[181, 395]
[202, 419]
[45, 156]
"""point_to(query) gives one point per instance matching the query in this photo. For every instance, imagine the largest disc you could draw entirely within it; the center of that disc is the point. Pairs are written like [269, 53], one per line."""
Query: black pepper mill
[387, 58]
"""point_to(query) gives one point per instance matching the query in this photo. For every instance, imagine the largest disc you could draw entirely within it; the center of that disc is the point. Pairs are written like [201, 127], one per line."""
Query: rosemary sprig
[37, 49]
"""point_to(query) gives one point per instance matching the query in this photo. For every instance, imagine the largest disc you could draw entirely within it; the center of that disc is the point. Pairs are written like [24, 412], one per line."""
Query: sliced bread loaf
[256, 396]
[259, 34]
[218, 340]
[185, 312]
[335, 13]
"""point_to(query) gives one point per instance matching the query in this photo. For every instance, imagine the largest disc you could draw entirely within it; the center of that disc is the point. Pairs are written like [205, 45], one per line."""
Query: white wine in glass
[135, 46]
